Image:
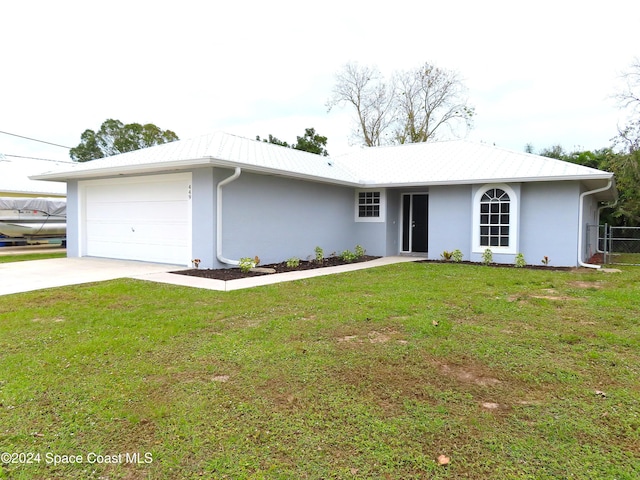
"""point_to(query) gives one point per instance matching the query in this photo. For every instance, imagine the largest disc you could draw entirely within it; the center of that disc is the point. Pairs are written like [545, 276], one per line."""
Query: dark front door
[415, 222]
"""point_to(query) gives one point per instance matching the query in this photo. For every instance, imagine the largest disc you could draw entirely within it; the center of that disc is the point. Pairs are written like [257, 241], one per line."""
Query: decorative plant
[360, 251]
[446, 255]
[487, 256]
[196, 262]
[348, 256]
[319, 254]
[520, 261]
[293, 262]
[545, 260]
[247, 263]
[457, 255]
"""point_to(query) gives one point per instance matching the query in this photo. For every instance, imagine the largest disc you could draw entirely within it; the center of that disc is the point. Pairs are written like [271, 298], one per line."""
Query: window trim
[382, 205]
[513, 219]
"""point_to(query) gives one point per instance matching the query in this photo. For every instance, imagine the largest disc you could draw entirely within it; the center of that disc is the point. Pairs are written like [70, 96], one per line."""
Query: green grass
[30, 256]
[368, 374]
[625, 258]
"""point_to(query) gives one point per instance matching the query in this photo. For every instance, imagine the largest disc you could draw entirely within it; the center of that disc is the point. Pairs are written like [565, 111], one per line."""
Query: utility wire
[35, 158]
[35, 140]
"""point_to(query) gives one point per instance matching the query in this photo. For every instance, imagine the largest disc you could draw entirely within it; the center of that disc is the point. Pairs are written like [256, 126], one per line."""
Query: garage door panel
[147, 218]
[146, 211]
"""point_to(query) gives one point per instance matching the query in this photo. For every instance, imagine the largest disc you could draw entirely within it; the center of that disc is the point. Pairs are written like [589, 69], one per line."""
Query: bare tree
[429, 98]
[629, 99]
[630, 95]
[411, 107]
[364, 88]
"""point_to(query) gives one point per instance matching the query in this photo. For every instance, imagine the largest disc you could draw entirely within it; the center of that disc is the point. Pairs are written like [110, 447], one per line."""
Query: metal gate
[617, 245]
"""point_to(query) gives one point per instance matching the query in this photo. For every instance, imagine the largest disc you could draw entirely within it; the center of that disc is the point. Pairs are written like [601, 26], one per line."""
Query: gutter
[221, 184]
[580, 217]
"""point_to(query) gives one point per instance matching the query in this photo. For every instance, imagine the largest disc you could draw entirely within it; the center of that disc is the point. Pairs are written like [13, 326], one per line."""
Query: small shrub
[360, 251]
[447, 256]
[247, 263]
[545, 260]
[457, 255]
[319, 254]
[487, 256]
[293, 262]
[520, 261]
[348, 256]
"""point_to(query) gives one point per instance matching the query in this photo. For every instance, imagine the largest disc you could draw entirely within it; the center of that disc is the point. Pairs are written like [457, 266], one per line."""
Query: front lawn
[509, 373]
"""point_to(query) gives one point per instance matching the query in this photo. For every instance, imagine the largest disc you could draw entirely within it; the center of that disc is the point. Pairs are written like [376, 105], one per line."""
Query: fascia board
[283, 173]
[369, 184]
[121, 170]
[181, 165]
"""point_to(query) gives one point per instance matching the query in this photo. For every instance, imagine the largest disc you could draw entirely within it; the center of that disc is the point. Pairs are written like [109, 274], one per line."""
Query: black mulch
[236, 273]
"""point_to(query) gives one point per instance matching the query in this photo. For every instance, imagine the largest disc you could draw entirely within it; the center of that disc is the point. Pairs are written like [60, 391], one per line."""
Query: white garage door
[138, 218]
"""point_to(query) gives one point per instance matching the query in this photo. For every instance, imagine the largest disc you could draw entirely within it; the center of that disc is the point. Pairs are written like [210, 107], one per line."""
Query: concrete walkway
[32, 275]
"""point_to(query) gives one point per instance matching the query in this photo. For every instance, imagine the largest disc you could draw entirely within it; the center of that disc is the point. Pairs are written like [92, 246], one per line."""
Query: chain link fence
[613, 245]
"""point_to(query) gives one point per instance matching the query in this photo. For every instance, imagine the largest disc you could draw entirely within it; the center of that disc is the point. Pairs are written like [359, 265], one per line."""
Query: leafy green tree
[555, 151]
[312, 142]
[625, 167]
[309, 142]
[115, 137]
[274, 140]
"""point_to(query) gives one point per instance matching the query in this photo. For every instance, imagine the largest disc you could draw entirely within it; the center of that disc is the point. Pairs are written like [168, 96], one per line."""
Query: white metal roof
[215, 149]
[437, 163]
[456, 162]
[15, 173]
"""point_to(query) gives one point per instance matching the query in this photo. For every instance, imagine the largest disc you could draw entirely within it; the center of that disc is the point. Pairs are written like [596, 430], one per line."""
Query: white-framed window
[495, 219]
[370, 206]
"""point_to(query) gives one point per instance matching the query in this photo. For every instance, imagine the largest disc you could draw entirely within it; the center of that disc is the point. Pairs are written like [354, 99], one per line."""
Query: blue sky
[537, 72]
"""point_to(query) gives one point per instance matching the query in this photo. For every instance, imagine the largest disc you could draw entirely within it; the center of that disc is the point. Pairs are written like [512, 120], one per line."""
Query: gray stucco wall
[73, 219]
[277, 218]
[449, 220]
[549, 222]
[203, 214]
[394, 199]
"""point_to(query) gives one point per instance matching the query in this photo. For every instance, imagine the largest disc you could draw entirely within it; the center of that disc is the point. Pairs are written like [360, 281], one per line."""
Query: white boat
[33, 217]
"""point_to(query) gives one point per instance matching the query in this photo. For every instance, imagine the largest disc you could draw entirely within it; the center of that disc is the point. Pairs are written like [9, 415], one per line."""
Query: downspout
[580, 217]
[224, 182]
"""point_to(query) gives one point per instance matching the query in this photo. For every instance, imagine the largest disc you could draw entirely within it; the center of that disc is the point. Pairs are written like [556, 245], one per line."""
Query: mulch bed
[503, 265]
[236, 273]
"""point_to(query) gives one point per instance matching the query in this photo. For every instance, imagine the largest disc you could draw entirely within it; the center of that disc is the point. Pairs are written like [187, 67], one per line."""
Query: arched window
[495, 207]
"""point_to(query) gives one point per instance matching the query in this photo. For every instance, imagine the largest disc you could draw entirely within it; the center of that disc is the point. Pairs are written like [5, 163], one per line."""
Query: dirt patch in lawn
[282, 267]
[383, 336]
[579, 284]
[468, 374]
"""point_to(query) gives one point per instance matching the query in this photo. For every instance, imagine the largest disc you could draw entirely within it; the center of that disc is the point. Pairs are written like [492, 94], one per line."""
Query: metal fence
[614, 245]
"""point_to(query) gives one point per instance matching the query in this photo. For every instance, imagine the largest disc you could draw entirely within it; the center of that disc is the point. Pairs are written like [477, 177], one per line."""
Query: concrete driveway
[26, 276]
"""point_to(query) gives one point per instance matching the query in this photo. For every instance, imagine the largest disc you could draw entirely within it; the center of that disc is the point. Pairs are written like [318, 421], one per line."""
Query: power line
[34, 158]
[35, 140]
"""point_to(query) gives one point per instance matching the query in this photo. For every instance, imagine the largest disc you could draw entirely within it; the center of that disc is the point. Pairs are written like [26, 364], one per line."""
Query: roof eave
[121, 170]
[473, 181]
[182, 165]
[284, 173]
